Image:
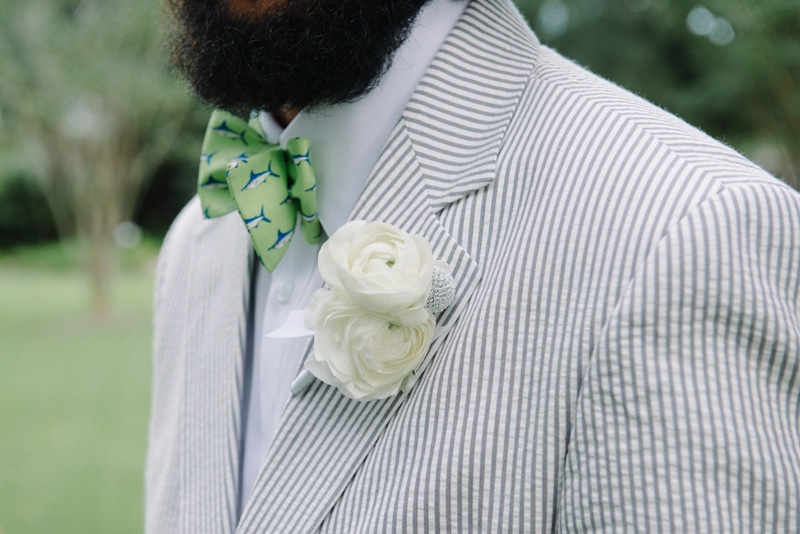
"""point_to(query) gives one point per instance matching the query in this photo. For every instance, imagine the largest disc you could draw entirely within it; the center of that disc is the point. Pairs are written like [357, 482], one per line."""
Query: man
[624, 344]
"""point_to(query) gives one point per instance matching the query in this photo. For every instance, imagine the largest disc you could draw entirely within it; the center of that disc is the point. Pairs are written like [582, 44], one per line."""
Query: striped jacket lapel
[442, 149]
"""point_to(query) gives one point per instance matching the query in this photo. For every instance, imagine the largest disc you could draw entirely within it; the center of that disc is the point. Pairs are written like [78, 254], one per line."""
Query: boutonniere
[374, 323]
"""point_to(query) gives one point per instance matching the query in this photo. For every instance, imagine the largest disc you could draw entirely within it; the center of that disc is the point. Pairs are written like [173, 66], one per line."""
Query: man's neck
[285, 115]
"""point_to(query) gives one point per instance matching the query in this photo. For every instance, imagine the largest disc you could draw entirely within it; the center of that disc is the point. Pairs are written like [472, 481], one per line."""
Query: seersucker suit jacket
[625, 342]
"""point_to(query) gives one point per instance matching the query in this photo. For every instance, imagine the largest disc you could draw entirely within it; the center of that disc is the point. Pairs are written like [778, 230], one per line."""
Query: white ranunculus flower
[380, 268]
[374, 326]
[365, 355]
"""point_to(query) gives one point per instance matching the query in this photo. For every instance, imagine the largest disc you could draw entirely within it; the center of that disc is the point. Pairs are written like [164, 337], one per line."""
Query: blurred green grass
[74, 395]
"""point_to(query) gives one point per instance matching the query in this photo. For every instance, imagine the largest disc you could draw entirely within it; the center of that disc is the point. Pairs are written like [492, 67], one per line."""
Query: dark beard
[299, 54]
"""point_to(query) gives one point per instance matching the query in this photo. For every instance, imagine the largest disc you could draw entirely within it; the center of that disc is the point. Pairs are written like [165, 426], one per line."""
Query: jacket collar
[445, 147]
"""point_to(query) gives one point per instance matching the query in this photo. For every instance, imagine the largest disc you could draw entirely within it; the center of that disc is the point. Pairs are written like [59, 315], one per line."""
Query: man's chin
[303, 55]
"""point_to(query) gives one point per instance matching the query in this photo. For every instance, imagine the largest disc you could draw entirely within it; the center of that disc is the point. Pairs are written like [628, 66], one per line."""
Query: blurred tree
[88, 107]
[730, 67]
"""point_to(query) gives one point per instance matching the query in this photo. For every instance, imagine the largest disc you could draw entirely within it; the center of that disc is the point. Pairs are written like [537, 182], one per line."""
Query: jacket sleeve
[162, 491]
[687, 418]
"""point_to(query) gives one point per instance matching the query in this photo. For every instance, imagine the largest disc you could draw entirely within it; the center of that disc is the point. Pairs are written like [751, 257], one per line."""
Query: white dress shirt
[346, 142]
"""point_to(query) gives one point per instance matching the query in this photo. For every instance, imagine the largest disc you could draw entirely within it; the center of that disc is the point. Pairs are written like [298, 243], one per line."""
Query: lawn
[74, 400]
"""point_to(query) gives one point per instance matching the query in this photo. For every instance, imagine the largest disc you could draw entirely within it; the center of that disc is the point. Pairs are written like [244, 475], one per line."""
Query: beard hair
[294, 54]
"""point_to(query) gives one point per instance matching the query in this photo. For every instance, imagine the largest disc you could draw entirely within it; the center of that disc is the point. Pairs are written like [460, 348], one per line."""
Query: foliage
[731, 67]
[25, 217]
[89, 109]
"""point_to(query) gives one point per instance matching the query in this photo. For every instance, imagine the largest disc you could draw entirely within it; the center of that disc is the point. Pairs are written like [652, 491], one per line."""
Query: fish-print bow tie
[241, 170]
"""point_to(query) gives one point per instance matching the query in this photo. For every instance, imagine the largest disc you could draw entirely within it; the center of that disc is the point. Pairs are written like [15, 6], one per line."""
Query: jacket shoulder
[607, 111]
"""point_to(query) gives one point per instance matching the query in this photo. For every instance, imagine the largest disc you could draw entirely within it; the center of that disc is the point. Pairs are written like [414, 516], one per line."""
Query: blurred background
[99, 146]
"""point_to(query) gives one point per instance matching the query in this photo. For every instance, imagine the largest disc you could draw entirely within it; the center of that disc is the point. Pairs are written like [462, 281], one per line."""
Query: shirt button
[284, 292]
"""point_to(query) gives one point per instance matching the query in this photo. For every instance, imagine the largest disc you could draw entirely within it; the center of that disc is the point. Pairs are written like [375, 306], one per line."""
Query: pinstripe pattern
[625, 345]
[194, 450]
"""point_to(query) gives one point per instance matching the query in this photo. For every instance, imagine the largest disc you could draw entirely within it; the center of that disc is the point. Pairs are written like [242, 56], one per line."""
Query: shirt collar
[347, 139]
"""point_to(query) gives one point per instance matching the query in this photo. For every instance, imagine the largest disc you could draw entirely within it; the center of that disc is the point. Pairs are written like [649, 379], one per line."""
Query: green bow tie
[240, 170]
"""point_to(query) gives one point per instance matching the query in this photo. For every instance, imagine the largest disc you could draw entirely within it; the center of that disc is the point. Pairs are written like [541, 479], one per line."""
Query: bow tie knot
[240, 170]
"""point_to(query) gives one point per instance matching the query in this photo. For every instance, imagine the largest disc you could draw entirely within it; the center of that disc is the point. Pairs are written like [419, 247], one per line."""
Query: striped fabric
[625, 344]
